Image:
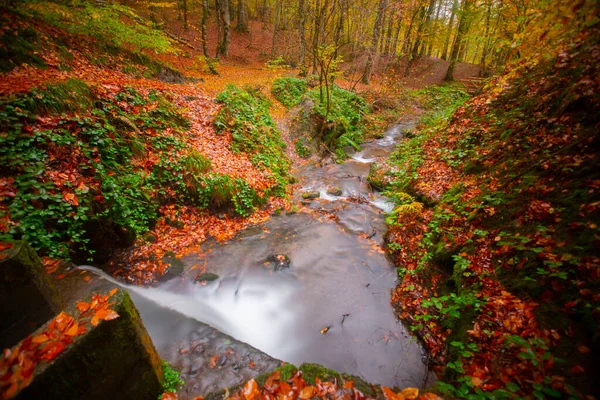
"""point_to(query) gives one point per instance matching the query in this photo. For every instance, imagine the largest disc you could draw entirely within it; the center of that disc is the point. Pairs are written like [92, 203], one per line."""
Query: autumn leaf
[73, 330]
[250, 390]
[169, 396]
[410, 393]
[103, 315]
[325, 330]
[41, 338]
[112, 292]
[390, 395]
[82, 306]
[52, 350]
[307, 393]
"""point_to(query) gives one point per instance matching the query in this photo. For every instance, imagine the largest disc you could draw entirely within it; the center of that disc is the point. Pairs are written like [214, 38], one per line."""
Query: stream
[311, 286]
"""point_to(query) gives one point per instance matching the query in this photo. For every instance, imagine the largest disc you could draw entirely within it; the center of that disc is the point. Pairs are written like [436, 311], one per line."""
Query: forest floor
[455, 220]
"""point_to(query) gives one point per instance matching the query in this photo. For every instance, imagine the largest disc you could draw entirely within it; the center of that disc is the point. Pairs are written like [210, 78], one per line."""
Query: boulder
[27, 293]
[311, 195]
[334, 191]
[206, 277]
[113, 360]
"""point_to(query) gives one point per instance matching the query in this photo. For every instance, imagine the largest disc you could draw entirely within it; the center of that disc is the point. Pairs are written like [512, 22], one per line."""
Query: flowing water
[331, 305]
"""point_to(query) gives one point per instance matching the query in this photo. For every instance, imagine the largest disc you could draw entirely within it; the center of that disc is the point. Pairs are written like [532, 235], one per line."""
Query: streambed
[329, 303]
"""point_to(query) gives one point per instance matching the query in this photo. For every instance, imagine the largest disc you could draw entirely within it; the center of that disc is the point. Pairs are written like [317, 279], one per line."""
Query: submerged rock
[334, 191]
[206, 277]
[175, 267]
[311, 195]
[278, 262]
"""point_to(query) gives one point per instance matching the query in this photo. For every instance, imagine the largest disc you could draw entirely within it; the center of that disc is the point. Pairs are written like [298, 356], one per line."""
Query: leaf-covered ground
[495, 232]
[82, 104]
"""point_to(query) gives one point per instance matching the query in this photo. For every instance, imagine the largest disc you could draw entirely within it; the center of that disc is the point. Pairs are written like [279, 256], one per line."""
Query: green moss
[311, 371]
[19, 47]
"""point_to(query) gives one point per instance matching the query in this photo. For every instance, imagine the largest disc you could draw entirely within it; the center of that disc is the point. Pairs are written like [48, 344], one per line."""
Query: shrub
[245, 113]
[289, 91]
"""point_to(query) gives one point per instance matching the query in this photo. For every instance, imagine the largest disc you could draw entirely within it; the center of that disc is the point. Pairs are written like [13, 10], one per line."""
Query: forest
[269, 199]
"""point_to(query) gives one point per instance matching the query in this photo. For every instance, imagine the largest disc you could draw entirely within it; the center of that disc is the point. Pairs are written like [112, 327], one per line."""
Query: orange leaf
[52, 350]
[307, 393]
[348, 385]
[250, 390]
[410, 393]
[285, 388]
[390, 395]
[169, 396]
[103, 314]
[112, 292]
[82, 306]
[41, 338]
[73, 330]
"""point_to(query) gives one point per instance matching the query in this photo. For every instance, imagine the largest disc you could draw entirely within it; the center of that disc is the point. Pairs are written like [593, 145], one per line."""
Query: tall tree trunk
[203, 28]
[463, 23]
[302, 36]
[380, 46]
[316, 32]
[449, 34]
[388, 35]
[374, 41]
[407, 35]
[225, 20]
[276, 26]
[242, 23]
[185, 21]
[396, 37]
[423, 19]
[437, 16]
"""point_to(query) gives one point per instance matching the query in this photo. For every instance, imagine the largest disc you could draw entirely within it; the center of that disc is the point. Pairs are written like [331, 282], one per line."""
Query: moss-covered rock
[114, 360]
[27, 294]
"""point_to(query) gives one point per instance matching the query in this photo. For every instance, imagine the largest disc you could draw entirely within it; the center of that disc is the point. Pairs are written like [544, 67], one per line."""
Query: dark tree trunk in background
[388, 35]
[374, 41]
[225, 20]
[204, 22]
[316, 31]
[185, 22]
[463, 23]
[242, 23]
[449, 34]
[302, 36]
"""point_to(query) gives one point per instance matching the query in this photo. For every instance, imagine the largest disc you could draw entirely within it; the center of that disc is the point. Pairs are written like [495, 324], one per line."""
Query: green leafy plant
[289, 91]
[172, 380]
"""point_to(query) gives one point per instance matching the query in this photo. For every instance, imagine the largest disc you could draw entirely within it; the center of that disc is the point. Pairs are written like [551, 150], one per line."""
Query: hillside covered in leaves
[495, 231]
[100, 147]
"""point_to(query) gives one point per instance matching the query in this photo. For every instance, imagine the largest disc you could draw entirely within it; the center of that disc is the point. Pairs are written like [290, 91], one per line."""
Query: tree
[463, 24]
[224, 22]
[374, 41]
[242, 24]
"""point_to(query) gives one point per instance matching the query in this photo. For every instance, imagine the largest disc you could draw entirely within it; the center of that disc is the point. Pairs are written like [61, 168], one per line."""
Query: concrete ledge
[27, 294]
[113, 360]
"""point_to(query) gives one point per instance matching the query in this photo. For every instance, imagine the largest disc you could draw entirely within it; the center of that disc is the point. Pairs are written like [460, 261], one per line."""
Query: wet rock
[348, 150]
[334, 191]
[174, 223]
[206, 277]
[113, 360]
[27, 293]
[176, 267]
[278, 262]
[150, 237]
[311, 195]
